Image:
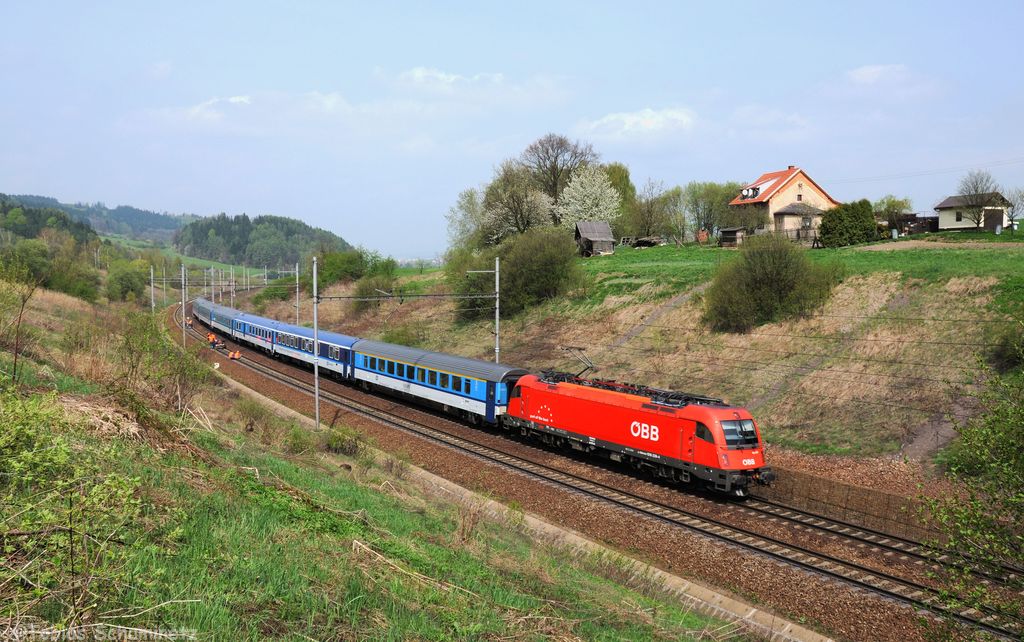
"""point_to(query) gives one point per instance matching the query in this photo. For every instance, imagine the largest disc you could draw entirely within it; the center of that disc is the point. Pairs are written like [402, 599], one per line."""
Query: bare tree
[978, 190]
[552, 160]
[512, 203]
[21, 285]
[650, 215]
[1016, 209]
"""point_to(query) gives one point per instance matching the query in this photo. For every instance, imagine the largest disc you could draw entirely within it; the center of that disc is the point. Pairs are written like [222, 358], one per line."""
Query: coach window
[391, 367]
[456, 383]
[400, 370]
[444, 381]
[466, 384]
[704, 433]
[421, 375]
[433, 378]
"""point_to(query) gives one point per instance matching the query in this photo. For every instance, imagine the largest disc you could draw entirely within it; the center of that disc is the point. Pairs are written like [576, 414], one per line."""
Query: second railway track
[890, 586]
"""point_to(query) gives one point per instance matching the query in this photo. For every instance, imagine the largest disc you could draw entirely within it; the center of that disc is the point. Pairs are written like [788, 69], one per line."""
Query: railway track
[899, 589]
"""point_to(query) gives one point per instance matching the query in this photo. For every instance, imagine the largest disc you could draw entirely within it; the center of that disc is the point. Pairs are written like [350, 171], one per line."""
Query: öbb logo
[643, 431]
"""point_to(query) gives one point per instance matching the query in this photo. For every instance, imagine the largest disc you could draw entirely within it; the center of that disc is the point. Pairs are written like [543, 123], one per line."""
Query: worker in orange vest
[212, 338]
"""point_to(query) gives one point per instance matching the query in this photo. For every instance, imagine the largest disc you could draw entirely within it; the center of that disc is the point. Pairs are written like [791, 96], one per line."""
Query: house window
[959, 216]
[807, 222]
[799, 197]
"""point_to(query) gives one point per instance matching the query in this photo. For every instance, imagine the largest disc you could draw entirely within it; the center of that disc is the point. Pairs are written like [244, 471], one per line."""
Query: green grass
[44, 377]
[171, 253]
[983, 236]
[671, 269]
[259, 559]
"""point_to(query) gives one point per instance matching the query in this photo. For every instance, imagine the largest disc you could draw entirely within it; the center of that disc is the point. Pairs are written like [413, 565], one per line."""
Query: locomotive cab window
[740, 433]
[516, 393]
[703, 432]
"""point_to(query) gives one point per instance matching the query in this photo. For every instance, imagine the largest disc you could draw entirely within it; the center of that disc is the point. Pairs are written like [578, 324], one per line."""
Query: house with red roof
[788, 200]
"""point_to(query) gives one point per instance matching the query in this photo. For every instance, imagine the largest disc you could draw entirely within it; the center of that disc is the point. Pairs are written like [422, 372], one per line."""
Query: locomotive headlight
[725, 459]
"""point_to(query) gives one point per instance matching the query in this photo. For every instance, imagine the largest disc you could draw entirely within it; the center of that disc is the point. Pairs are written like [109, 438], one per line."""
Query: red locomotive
[678, 436]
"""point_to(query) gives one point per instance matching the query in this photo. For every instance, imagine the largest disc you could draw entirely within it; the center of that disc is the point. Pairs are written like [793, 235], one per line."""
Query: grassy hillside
[233, 523]
[881, 370]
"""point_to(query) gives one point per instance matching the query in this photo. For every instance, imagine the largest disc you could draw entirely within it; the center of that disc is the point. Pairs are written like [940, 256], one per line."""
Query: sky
[368, 119]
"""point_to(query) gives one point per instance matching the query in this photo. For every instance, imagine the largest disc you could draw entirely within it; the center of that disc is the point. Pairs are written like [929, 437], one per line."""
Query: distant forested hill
[123, 219]
[28, 222]
[265, 240]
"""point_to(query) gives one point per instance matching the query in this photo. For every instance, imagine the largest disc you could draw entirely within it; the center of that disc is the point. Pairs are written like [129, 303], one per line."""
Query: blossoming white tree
[589, 196]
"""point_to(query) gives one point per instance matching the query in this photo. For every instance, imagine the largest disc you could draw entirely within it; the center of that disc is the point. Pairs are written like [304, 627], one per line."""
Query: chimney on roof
[792, 167]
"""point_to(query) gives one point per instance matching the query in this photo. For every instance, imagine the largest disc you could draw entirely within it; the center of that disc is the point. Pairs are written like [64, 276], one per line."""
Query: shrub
[371, 286]
[343, 441]
[536, 266]
[848, 224]
[127, 280]
[298, 440]
[772, 279]
[407, 334]
[1007, 351]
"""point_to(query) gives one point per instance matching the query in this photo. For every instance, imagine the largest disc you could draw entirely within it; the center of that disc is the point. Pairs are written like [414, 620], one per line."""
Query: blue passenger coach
[472, 388]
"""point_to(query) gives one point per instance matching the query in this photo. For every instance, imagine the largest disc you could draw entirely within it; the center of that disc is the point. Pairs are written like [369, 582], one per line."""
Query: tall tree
[977, 191]
[892, 209]
[513, 204]
[589, 196]
[552, 160]
[675, 210]
[650, 215]
[466, 220]
[618, 176]
[707, 204]
[1016, 209]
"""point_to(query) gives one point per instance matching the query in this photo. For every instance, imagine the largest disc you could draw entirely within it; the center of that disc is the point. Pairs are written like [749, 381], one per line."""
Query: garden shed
[731, 236]
[594, 238]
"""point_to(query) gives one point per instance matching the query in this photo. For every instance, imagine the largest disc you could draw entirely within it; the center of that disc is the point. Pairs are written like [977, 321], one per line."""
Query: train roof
[476, 368]
[326, 336]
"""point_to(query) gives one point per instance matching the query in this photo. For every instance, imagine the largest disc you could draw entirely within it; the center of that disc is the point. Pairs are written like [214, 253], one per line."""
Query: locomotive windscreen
[740, 433]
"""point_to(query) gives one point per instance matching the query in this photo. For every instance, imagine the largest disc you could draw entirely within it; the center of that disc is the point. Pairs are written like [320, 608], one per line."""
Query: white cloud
[208, 110]
[886, 83]
[874, 74]
[436, 80]
[642, 123]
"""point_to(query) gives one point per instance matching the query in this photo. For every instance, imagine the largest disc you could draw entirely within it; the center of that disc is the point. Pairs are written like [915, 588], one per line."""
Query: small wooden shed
[731, 236]
[595, 238]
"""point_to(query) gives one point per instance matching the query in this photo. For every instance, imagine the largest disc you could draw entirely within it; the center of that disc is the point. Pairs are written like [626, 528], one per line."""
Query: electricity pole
[297, 294]
[152, 292]
[183, 305]
[497, 305]
[231, 286]
[316, 348]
